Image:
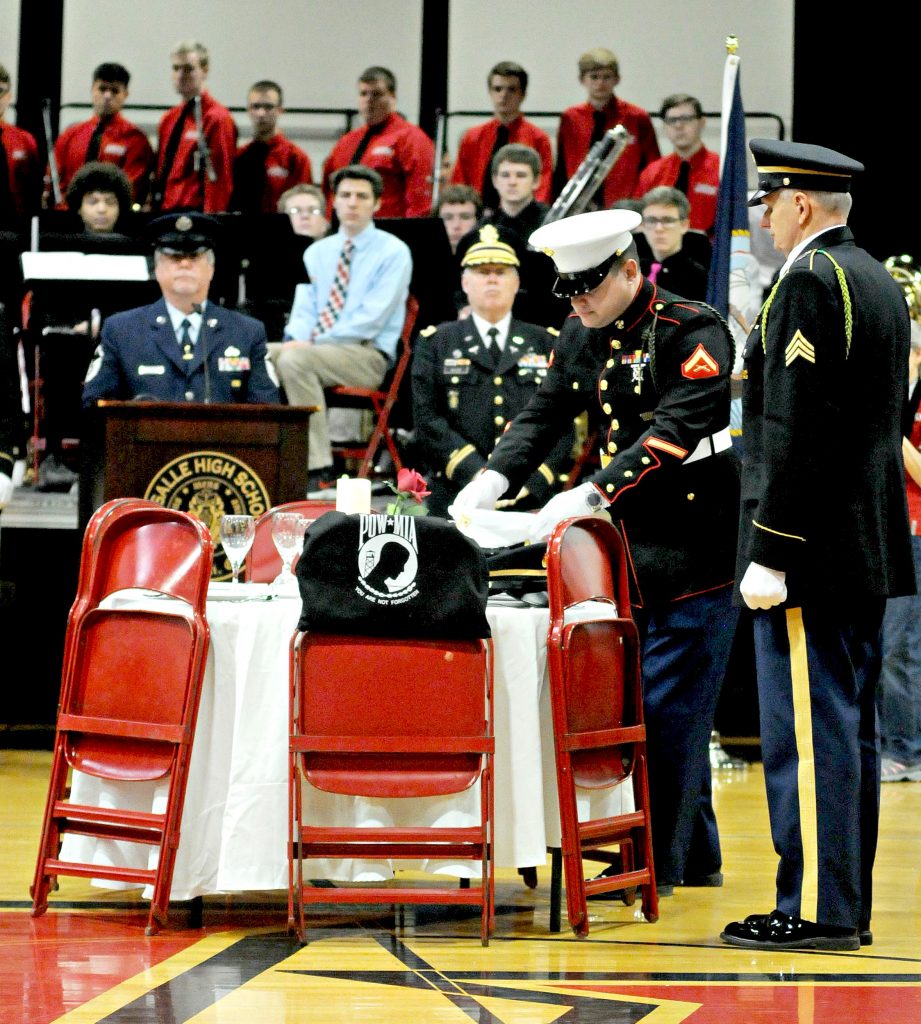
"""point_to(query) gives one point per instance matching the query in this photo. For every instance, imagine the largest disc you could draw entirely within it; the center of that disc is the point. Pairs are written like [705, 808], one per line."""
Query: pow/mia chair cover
[392, 576]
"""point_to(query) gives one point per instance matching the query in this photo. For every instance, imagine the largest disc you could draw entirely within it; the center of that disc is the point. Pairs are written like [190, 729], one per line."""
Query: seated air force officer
[472, 376]
[182, 348]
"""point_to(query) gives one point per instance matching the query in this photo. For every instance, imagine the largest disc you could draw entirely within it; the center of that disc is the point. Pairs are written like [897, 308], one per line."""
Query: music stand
[269, 257]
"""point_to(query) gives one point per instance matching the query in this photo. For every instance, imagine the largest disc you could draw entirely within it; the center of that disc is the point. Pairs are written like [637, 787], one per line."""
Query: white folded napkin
[491, 528]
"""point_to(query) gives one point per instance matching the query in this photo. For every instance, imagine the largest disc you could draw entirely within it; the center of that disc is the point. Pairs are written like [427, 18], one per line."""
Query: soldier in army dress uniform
[823, 541]
[653, 370]
[471, 377]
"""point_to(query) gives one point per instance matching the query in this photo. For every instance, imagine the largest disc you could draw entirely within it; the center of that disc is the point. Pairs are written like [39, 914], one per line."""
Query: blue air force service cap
[799, 165]
[188, 233]
[584, 247]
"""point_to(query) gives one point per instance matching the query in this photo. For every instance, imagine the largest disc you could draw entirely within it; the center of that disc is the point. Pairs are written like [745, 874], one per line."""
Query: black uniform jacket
[824, 383]
[138, 354]
[657, 383]
[462, 403]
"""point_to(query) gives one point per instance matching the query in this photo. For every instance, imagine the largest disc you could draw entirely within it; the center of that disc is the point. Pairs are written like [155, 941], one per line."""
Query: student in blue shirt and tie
[346, 323]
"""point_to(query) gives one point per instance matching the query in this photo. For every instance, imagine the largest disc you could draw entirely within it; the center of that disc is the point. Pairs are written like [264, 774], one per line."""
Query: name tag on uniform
[455, 366]
[152, 371]
[233, 364]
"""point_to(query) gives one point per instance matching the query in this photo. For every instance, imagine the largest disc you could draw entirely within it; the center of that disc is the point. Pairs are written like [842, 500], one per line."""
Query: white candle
[353, 495]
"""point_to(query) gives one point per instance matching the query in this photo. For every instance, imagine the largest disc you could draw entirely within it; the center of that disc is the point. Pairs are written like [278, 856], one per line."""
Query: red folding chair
[263, 562]
[379, 401]
[130, 688]
[390, 718]
[597, 706]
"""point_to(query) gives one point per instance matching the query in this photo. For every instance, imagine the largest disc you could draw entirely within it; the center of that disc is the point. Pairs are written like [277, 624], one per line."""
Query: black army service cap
[184, 233]
[800, 165]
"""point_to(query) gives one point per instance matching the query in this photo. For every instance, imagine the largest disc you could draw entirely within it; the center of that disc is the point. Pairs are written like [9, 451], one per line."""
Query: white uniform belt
[711, 445]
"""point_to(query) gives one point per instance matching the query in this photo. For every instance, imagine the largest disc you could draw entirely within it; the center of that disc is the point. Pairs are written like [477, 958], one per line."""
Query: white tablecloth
[234, 827]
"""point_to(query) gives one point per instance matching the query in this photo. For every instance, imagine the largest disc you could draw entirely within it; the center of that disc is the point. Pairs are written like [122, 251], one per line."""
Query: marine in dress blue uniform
[145, 352]
[655, 380]
[823, 541]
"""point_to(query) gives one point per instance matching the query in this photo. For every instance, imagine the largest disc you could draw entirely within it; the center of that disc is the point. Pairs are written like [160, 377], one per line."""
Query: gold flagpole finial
[732, 44]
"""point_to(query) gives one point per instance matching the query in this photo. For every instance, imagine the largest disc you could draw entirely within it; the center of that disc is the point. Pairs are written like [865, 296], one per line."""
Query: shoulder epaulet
[553, 331]
[427, 332]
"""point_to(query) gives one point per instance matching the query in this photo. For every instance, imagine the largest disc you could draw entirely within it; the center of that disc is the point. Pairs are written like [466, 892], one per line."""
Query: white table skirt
[234, 827]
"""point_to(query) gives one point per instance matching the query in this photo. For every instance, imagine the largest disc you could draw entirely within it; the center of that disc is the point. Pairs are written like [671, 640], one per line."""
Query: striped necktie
[330, 312]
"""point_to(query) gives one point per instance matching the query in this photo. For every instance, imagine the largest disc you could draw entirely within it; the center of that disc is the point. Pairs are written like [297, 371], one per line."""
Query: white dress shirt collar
[502, 326]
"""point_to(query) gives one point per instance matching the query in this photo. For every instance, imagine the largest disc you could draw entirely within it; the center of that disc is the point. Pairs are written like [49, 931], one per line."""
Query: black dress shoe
[780, 931]
[865, 936]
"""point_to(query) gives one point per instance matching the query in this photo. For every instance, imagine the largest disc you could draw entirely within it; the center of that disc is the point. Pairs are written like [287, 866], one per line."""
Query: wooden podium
[210, 460]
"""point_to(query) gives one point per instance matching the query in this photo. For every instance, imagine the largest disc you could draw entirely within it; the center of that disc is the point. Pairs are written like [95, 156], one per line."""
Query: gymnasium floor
[87, 960]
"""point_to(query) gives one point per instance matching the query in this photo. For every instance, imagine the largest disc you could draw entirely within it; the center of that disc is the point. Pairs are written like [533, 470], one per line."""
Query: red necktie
[330, 312]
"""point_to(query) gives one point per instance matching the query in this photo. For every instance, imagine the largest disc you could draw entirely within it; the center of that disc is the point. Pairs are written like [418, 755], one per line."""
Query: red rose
[411, 483]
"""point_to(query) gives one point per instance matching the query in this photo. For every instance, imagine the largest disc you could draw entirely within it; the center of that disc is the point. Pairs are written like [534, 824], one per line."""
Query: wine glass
[288, 536]
[237, 534]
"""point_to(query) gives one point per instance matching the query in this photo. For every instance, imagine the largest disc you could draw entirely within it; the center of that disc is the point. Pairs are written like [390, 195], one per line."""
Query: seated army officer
[473, 376]
[182, 348]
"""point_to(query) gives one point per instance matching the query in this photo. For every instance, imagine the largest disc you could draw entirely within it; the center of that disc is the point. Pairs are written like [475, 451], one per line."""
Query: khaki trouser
[305, 370]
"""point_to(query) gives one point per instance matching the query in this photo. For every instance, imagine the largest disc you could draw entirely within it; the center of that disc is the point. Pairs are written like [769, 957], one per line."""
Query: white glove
[483, 491]
[562, 506]
[6, 489]
[762, 587]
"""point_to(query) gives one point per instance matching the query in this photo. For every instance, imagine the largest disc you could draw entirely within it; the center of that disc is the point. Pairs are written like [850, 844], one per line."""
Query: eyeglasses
[655, 222]
[307, 211]
[680, 119]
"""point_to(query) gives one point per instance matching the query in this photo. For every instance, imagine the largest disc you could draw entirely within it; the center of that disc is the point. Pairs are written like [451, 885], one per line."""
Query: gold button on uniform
[455, 380]
[575, 385]
[612, 447]
[628, 473]
[609, 363]
[645, 460]
[603, 385]
[498, 400]
[609, 488]
[615, 345]
[497, 380]
[607, 408]
[499, 420]
[691, 496]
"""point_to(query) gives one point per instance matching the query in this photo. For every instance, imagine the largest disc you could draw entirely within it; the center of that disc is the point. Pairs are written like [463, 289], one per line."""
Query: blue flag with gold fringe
[731, 239]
